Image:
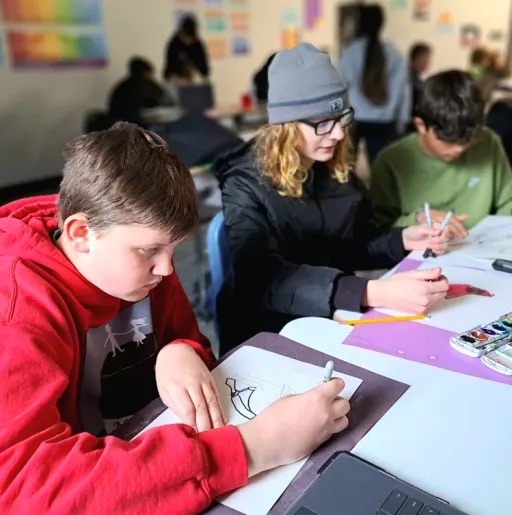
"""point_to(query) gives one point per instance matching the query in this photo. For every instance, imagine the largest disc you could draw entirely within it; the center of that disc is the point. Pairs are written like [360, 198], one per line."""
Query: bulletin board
[53, 33]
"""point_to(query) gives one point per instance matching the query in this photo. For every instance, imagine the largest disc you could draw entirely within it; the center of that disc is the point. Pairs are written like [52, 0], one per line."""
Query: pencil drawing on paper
[249, 395]
[241, 398]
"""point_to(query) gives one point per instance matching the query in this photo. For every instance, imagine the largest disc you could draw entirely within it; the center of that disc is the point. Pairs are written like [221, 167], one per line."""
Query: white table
[445, 435]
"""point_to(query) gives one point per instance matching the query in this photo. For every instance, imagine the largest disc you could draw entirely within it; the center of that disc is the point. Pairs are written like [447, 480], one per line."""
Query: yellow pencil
[378, 320]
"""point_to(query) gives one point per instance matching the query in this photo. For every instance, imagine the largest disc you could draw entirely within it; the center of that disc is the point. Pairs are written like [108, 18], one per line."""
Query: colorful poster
[214, 21]
[217, 47]
[56, 48]
[52, 12]
[239, 21]
[470, 35]
[240, 45]
[214, 4]
[399, 5]
[421, 10]
[313, 14]
[290, 28]
[444, 24]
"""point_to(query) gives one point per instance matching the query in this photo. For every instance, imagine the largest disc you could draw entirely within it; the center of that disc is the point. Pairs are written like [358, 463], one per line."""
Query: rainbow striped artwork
[56, 48]
[52, 12]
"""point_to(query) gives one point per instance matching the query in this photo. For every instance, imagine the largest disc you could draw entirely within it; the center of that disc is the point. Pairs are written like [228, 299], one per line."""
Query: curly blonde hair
[276, 153]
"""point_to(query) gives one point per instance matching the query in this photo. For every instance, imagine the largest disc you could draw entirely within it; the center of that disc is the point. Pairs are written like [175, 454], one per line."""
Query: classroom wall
[41, 110]
[403, 29]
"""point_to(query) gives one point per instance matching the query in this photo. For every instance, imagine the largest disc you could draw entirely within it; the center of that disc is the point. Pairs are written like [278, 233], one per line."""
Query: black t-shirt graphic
[119, 372]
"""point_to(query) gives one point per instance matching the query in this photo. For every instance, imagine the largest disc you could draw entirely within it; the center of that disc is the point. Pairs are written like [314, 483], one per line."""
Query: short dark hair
[451, 103]
[138, 67]
[478, 55]
[127, 175]
[418, 50]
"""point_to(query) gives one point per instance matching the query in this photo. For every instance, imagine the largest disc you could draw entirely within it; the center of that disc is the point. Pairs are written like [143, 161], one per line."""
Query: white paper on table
[272, 376]
[463, 313]
[489, 239]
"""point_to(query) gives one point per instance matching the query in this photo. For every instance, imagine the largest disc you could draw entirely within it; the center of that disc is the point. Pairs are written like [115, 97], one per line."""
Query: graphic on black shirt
[119, 372]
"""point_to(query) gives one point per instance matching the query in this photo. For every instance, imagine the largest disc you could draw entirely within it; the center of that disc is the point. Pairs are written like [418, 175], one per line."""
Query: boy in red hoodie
[94, 325]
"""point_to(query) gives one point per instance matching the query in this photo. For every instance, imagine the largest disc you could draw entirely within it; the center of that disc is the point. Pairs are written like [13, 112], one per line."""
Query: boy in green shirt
[452, 162]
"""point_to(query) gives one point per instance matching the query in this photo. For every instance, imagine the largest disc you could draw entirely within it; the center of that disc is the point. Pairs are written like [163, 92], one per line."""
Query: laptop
[196, 97]
[348, 485]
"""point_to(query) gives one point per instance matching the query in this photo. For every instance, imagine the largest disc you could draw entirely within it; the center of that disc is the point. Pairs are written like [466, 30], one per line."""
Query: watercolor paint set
[486, 338]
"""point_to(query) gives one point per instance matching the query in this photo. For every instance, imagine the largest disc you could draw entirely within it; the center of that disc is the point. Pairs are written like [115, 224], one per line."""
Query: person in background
[186, 60]
[260, 80]
[378, 84]
[95, 325]
[453, 162]
[136, 92]
[420, 56]
[479, 63]
[299, 222]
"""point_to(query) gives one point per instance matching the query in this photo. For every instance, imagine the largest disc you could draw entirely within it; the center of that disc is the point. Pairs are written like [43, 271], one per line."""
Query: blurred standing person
[186, 58]
[376, 75]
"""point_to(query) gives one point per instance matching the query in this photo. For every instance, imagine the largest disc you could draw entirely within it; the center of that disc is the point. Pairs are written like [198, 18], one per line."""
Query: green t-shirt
[479, 183]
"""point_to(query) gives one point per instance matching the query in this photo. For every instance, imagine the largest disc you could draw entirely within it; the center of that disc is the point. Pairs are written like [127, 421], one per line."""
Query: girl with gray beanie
[299, 222]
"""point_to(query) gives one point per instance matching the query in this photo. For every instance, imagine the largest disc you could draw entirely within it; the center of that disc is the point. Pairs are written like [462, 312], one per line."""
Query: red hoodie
[51, 321]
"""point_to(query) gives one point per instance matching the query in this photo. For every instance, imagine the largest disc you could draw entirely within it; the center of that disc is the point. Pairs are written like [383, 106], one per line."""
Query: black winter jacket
[294, 257]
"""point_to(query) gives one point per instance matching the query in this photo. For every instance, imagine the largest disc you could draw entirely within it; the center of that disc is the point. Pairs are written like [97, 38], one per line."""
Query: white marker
[428, 217]
[446, 220]
[329, 367]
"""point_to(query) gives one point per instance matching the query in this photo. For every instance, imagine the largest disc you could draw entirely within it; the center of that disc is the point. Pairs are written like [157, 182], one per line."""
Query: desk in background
[233, 115]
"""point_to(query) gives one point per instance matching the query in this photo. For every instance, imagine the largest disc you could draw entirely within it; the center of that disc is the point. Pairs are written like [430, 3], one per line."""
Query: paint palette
[484, 338]
[500, 360]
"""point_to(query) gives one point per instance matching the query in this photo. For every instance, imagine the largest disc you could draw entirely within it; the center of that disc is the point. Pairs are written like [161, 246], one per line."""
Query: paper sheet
[463, 313]
[260, 377]
[490, 239]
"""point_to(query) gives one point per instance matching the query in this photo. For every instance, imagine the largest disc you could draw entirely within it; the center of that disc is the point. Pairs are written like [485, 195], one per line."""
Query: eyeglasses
[325, 127]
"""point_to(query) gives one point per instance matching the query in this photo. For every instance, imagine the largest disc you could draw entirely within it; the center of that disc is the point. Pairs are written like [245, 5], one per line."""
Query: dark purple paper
[371, 401]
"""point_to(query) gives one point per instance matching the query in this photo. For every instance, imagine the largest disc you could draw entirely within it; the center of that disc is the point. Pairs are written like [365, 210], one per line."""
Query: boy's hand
[186, 386]
[455, 228]
[311, 417]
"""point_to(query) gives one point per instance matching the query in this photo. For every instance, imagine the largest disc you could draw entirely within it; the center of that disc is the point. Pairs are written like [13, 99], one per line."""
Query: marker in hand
[428, 251]
[329, 367]
[446, 221]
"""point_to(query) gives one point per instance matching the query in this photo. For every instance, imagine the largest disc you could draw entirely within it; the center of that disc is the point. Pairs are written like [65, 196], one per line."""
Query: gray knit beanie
[302, 84]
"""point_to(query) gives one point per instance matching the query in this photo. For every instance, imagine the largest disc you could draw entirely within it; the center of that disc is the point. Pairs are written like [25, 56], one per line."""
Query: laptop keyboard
[399, 503]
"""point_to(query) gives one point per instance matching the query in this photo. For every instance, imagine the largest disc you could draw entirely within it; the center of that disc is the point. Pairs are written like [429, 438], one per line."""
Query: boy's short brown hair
[127, 175]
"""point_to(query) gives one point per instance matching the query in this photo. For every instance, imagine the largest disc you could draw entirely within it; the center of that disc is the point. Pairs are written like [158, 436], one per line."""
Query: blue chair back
[219, 260]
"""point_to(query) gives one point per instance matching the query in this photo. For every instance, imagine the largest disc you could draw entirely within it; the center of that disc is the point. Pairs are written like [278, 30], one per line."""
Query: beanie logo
[336, 105]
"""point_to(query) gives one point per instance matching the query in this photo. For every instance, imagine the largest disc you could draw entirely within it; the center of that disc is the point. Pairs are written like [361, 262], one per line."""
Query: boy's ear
[76, 228]
[420, 125]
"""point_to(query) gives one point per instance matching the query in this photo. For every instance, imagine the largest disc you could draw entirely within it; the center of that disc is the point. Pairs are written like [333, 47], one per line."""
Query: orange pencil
[378, 320]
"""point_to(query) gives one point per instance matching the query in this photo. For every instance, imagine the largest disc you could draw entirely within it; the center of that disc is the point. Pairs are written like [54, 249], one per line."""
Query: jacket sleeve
[502, 201]
[46, 466]
[174, 319]
[262, 272]
[378, 248]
